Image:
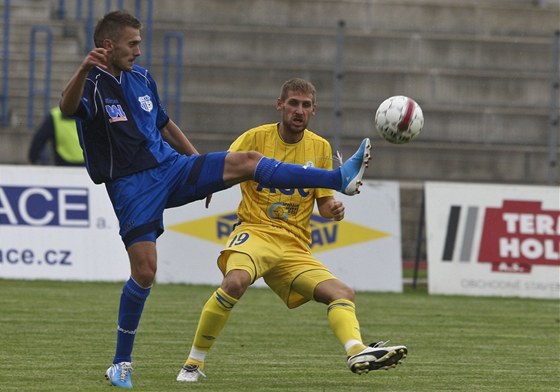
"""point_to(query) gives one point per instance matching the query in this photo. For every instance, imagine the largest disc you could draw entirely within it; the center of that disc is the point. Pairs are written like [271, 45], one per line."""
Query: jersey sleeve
[87, 107]
[242, 143]
[162, 117]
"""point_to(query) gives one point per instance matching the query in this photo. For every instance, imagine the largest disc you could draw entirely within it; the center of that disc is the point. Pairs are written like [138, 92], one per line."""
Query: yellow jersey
[290, 209]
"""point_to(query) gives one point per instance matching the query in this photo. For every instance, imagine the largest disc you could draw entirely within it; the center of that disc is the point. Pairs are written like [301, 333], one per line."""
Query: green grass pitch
[59, 336]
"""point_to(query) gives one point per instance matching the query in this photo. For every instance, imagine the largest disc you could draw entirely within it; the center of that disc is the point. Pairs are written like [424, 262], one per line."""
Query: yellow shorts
[281, 259]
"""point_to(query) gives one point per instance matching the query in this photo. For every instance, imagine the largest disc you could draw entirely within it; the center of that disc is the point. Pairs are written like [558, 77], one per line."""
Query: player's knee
[234, 289]
[240, 166]
[145, 277]
[236, 283]
[343, 292]
[144, 274]
[332, 290]
[252, 159]
[348, 293]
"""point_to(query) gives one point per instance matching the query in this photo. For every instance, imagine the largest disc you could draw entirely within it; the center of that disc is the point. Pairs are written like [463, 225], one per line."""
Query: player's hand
[208, 199]
[96, 57]
[337, 210]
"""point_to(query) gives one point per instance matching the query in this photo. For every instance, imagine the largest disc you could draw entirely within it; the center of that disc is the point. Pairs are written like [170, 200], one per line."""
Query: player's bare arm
[72, 93]
[330, 208]
[173, 135]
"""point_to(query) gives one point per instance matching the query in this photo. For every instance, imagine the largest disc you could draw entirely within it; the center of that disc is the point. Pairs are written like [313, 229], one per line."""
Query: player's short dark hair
[111, 25]
[299, 85]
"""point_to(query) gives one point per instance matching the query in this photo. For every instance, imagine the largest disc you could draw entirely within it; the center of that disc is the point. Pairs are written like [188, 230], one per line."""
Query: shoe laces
[194, 369]
[339, 157]
[379, 344]
[125, 369]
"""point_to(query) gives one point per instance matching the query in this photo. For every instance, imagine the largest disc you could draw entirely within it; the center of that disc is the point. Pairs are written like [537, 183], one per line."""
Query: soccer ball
[399, 119]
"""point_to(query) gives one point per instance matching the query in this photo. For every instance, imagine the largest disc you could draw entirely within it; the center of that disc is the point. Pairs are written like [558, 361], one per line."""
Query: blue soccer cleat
[118, 374]
[353, 169]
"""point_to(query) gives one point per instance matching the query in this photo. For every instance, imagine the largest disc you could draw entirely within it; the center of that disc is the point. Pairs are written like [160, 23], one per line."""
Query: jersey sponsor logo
[282, 211]
[513, 238]
[288, 191]
[115, 113]
[325, 233]
[44, 206]
[146, 103]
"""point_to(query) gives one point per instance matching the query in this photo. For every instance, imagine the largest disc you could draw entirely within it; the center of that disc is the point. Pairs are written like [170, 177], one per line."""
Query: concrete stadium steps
[317, 47]
[29, 11]
[480, 17]
[443, 124]
[213, 115]
[461, 162]
[66, 40]
[485, 107]
[473, 85]
[15, 142]
[443, 86]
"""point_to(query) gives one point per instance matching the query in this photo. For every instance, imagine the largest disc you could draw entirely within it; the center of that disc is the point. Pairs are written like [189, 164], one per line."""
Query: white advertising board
[364, 249]
[56, 224]
[493, 240]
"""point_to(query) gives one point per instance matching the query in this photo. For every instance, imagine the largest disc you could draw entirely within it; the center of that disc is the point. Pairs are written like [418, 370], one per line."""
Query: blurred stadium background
[485, 73]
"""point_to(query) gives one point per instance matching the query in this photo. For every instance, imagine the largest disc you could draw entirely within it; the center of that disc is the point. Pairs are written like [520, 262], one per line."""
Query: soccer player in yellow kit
[272, 241]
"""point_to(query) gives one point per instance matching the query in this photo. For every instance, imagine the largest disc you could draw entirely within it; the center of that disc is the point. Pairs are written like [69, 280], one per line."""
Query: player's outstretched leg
[377, 356]
[118, 374]
[346, 179]
[353, 169]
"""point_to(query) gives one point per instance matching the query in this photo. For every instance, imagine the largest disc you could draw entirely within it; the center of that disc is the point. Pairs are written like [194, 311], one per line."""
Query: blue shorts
[140, 198]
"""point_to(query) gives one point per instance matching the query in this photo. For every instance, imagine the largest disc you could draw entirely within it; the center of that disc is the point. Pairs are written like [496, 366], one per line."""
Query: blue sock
[133, 298]
[273, 173]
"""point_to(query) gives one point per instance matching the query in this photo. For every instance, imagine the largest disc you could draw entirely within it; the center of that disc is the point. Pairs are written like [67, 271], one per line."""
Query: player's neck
[288, 136]
[114, 71]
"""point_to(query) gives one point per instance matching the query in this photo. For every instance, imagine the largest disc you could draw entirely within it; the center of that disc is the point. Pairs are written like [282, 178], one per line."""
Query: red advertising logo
[519, 235]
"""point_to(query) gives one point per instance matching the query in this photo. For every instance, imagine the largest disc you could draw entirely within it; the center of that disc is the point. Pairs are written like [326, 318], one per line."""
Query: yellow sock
[343, 322]
[213, 318]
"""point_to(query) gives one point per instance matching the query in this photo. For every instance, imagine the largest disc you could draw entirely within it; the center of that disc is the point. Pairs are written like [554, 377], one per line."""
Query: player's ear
[279, 103]
[107, 44]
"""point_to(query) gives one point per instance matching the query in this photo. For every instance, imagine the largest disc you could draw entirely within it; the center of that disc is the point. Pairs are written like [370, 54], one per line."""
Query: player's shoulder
[262, 129]
[312, 136]
[95, 73]
[260, 134]
[139, 69]
[254, 138]
[140, 73]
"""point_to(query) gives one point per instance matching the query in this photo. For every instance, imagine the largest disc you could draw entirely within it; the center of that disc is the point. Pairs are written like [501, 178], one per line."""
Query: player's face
[297, 109]
[124, 51]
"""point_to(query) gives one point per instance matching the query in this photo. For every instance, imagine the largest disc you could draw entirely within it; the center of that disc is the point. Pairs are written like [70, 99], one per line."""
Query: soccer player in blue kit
[148, 164]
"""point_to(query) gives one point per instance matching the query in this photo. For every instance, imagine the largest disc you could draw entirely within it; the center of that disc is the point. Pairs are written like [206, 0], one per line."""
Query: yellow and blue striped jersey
[290, 209]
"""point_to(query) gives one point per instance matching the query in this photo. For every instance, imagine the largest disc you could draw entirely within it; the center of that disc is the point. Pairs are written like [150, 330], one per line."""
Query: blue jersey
[119, 122]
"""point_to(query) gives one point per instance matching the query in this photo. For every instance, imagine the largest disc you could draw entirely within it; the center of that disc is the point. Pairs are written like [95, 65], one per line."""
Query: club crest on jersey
[116, 113]
[146, 103]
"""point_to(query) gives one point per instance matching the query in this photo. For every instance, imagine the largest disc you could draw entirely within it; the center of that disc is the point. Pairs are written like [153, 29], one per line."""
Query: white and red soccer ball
[399, 119]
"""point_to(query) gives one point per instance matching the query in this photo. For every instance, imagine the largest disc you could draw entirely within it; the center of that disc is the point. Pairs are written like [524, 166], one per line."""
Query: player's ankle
[355, 349]
[191, 361]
